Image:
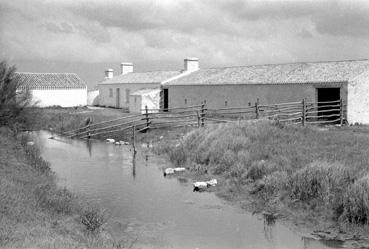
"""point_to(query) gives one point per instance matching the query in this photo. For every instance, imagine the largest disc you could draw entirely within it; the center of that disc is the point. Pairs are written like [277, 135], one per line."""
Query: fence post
[202, 114]
[341, 112]
[198, 118]
[147, 117]
[134, 139]
[303, 117]
[257, 109]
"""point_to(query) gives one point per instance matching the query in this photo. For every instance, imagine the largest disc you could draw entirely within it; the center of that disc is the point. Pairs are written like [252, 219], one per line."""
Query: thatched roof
[306, 72]
[49, 80]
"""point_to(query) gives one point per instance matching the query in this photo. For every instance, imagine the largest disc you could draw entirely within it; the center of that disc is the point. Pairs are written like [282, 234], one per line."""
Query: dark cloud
[131, 17]
[345, 19]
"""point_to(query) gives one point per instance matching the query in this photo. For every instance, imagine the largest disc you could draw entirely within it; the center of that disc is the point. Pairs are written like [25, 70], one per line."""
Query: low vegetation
[322, 170]
[34, 211]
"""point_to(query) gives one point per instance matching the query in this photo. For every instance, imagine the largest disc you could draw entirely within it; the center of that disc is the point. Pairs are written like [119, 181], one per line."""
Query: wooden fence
[302, 112]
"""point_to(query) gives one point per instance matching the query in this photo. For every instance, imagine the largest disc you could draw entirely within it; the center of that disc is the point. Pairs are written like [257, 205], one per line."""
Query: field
[314, 174]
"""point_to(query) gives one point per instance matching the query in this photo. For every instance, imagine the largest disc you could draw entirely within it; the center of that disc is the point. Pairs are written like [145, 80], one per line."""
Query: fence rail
[301, 112]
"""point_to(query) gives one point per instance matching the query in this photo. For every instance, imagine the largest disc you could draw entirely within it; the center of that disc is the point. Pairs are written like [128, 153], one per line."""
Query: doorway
[165, 105]
[324, 96]
[117, 104]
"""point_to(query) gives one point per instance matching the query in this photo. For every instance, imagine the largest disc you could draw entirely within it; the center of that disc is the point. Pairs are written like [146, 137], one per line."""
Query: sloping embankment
[316, 174]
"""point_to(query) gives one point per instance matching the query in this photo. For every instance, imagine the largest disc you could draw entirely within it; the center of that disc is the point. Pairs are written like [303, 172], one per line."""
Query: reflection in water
[89, 146]
[269, 222]
[156, 209]
[134, 165]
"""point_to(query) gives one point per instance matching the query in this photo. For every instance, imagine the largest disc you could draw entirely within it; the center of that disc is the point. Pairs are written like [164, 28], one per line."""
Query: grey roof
[146, 77]
[306, 72]
[49, 80]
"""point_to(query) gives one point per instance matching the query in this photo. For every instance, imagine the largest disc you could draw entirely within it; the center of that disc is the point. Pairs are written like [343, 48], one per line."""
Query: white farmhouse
[54, 89]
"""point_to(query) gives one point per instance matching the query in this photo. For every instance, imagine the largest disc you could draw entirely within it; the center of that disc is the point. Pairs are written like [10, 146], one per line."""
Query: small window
[127, 95]
[110, 92]
[185, 101]
[225, 103]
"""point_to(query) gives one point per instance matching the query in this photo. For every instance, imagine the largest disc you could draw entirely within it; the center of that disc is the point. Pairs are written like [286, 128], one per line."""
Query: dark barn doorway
[165, 104]
[328, 95]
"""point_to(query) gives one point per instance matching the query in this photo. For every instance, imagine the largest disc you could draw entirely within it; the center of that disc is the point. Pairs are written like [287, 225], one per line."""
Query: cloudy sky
[87, 36]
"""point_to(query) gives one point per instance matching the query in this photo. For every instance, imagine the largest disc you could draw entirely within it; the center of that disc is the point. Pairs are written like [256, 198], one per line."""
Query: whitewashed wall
[358, 100]
[61, 97]
[93, 97]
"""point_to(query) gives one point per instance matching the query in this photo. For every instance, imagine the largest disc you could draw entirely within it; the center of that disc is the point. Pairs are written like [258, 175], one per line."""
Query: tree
[14, 99]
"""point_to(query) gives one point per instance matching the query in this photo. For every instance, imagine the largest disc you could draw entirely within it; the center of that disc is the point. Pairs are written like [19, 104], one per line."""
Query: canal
[160, 212]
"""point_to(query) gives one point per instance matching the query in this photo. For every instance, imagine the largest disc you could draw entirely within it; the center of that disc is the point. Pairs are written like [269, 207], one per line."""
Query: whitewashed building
[54, 89]
[116, 90]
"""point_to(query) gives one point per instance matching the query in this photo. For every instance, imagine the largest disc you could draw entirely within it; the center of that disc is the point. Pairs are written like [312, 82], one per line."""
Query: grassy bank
[312, 173]
[34, 212]
[64, 119]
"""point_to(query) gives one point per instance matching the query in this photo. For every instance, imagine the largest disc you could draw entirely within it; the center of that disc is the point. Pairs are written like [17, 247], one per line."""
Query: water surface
[160, 212]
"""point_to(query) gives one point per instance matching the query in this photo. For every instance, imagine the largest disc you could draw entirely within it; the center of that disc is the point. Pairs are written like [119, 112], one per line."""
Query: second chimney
[126, 67]
[191, 64]
[109, 73]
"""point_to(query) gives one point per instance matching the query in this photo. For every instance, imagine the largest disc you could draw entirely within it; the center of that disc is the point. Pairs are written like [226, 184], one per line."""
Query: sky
[88, 36]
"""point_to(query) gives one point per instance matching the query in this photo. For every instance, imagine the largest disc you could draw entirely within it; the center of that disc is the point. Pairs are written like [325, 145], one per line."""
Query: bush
[13, 100]
[93, 218]
[356, 201]
[321, 180]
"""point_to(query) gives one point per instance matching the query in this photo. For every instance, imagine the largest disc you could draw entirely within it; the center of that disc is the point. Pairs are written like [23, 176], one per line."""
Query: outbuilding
[54, 89]
[115, 91]
[276, 83]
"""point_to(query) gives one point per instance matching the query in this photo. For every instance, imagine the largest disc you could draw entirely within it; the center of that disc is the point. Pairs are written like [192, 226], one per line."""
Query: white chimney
[191, 64]
[126, 67]
[109, 73]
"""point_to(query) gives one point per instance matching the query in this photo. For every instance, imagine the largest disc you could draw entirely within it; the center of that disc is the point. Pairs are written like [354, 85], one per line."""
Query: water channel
[160, 212]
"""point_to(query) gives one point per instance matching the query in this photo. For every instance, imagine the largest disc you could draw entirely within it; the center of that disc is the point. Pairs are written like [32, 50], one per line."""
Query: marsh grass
[284, 163]
[34, 211]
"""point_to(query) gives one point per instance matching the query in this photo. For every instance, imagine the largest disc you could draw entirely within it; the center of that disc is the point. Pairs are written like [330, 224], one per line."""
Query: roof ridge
[289, 63]
[154, 71]
[44, 73]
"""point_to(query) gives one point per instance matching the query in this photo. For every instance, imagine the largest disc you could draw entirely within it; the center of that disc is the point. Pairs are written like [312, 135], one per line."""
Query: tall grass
[34, 211]
[284, 163]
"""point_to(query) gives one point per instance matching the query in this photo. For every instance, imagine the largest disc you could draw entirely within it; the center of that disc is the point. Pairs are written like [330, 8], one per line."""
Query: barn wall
[60, 97]
[105, 100]
[244, 95]
[358, 100]
[135, 104]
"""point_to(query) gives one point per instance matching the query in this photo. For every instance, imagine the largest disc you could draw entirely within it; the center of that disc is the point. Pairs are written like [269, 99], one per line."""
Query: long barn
[276, 83]
[54, 89]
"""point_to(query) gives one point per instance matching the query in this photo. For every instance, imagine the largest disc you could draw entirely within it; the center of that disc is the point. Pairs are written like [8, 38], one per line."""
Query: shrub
[93, 218]
[322, 180]
[356, 201]
[13, 99]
